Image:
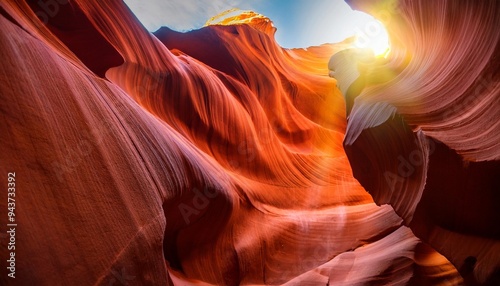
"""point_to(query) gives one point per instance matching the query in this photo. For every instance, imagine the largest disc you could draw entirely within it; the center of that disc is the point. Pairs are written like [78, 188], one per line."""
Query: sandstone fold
[423, 131]
[216, 157]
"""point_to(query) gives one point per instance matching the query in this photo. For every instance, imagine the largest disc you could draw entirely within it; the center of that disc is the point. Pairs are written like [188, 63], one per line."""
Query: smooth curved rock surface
[213, 157]
[426, 139]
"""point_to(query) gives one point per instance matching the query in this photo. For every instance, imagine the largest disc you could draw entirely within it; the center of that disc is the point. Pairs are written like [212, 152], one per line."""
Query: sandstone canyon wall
[216, 157]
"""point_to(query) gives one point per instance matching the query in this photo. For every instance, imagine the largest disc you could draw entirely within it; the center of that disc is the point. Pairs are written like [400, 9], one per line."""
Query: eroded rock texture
[423, 134]
[216, 157]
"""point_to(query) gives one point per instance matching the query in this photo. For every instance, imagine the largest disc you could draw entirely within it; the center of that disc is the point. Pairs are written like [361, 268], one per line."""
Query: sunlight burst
[373, 36]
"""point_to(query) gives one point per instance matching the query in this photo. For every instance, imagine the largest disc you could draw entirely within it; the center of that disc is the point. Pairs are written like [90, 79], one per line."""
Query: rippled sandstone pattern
[431, 111]
[216, 157]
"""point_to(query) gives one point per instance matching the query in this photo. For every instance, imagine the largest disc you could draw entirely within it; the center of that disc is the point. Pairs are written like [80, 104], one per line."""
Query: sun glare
[373, 36]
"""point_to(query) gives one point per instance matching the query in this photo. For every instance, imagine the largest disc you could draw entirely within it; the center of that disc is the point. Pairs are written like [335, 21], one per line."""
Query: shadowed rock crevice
[67, 21]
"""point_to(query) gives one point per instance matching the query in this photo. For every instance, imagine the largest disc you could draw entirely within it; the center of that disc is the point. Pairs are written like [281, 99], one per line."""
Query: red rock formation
[437, 160]
[213, 157]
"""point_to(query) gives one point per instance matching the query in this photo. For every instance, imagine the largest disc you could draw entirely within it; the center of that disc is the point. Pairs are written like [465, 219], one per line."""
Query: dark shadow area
[204, 45]
[462, 196]
[195, 220]
[68, 22]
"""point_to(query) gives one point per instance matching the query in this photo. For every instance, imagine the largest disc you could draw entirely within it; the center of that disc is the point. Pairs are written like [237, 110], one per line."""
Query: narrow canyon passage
[217, 157]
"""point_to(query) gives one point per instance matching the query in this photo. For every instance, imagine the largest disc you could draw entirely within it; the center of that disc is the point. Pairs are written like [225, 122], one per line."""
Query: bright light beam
[373, 35]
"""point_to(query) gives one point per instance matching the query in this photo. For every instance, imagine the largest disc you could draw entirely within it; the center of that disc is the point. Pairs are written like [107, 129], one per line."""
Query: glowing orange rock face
[212, 157]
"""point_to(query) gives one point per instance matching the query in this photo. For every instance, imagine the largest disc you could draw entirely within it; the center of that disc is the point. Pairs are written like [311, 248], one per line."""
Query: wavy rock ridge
[216, 157]
[431, 113]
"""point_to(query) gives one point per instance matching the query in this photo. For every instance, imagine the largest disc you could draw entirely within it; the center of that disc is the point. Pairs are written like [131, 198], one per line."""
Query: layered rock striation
[216, 157]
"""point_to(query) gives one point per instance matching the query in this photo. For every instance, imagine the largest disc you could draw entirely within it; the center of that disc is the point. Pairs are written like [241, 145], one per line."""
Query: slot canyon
[218, 157]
